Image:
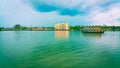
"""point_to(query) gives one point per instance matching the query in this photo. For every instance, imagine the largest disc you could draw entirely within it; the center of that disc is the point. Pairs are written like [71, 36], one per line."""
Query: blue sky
[48, 12]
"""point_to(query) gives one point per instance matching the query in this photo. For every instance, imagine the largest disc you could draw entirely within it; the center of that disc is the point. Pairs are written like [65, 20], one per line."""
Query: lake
[59, 49]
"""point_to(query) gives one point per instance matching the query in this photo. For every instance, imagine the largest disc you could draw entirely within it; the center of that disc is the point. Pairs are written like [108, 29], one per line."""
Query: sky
[49, 12]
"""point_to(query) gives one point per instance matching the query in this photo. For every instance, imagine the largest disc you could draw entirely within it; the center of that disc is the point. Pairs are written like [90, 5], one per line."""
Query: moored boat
[92, 30]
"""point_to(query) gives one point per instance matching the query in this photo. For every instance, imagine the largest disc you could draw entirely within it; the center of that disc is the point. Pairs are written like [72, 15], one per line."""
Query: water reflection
[93, 34]
[17, 35]
[62, 34]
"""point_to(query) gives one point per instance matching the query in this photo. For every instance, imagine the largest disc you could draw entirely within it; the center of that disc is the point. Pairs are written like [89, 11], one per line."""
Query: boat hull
[93, 32]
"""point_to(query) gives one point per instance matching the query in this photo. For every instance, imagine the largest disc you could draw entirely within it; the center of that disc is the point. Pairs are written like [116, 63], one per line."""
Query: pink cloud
[110, 16]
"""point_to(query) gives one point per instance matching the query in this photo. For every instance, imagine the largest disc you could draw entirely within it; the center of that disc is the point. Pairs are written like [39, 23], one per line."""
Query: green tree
[0, 28]
[18, 27]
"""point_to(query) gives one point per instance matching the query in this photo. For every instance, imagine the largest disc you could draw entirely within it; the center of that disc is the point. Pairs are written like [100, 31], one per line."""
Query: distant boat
[92, 30]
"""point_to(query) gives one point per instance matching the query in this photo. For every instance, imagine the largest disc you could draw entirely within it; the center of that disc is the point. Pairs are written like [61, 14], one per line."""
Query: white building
[61, 26]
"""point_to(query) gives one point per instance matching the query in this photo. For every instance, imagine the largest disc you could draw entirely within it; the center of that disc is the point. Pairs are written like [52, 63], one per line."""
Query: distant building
[61, 26]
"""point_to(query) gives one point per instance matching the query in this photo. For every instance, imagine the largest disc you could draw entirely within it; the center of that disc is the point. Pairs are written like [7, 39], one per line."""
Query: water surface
[59, 49]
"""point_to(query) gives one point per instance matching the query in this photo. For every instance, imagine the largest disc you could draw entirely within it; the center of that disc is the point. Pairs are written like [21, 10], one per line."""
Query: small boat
[92, 30]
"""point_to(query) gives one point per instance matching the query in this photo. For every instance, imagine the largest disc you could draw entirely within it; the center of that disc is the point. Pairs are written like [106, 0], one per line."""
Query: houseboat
[92, 30]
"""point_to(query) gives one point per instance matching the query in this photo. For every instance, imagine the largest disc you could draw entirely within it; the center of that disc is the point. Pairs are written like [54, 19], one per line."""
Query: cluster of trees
[105, 28]
[18, 27]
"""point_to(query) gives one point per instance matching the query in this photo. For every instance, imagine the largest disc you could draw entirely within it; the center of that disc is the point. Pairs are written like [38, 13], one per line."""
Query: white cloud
[17, 11]
[109, 16]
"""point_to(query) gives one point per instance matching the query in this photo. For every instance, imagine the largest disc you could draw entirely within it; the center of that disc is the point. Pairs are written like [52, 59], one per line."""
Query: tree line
[104, 27]
[18, 27]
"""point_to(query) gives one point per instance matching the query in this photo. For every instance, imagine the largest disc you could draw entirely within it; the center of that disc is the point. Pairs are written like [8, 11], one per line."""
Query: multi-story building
[61, 26]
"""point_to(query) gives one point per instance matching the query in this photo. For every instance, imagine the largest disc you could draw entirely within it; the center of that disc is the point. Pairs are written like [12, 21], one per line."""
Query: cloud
[107, 16]
[68, 12]
[48, 12]
[49, 8]
[44, 7]
[69, 7]
[63, 7]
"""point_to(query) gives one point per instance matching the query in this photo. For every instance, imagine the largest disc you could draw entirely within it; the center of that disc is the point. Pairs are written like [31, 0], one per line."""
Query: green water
[59, 49]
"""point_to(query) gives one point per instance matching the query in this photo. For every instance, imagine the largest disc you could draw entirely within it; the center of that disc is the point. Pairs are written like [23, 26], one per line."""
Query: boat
[92, 30]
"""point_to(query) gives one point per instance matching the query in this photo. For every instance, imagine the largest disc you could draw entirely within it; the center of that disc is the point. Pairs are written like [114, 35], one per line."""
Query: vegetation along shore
[18, 27]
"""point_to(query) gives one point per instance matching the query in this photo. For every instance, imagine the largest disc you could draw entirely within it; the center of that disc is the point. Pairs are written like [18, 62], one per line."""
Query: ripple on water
[40, 50]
